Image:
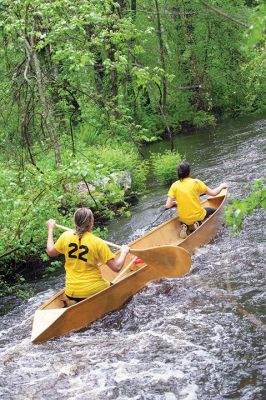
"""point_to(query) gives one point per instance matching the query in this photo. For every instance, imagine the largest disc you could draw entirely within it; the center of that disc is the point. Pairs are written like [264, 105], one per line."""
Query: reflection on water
[198, 337]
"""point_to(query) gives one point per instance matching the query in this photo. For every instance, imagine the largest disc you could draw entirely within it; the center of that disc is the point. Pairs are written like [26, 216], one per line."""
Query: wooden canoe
[52, 319]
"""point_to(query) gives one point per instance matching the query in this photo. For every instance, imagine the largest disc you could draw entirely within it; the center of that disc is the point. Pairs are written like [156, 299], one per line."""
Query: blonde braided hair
[83, 219]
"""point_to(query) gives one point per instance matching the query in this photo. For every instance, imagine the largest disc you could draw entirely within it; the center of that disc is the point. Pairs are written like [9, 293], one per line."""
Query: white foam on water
[158, 371]
[123, 371]
[189, 392]
[170, 396]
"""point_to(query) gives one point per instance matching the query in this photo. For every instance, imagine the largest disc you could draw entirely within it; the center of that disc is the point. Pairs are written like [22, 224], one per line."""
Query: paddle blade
[173, 261]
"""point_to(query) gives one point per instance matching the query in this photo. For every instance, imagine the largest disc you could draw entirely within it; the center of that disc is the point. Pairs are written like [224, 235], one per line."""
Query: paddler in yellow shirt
[185, 192]
[83, 253]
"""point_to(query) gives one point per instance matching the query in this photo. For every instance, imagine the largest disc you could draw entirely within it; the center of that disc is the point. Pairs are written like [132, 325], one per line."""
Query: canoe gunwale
[127, 286]
[176, 218]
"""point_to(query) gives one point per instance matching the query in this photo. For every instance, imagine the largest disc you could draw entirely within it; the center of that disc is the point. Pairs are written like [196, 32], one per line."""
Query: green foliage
[29, 198]
[202, 119]
[164, 165]
[203, 63]
[152, 139]
[18, 287]
[236, 212]
[254, 69]
[102, 75]
[53, 268]
[256, 34]
[256, 84]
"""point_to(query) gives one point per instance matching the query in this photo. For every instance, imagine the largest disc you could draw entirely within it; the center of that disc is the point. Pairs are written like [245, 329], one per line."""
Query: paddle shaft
[124, 270]
[65, 228]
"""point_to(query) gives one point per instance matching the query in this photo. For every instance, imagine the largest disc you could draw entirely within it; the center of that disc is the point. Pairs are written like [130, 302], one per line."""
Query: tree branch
[88, 188]
[224, 14]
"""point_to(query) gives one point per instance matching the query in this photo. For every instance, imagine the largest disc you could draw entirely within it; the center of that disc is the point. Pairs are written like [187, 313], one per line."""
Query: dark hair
[84, 220]
[183, 170]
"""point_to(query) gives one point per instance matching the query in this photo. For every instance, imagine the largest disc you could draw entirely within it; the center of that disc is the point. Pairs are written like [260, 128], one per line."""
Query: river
[200, 337]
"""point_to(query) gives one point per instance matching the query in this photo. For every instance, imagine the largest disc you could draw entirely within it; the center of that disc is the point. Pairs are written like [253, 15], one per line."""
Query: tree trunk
[46, 109]
[195, 78]
[162, 56]
[163, 105]
[25, 132]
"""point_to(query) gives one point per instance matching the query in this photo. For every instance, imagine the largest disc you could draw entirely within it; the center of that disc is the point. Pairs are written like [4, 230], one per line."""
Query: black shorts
[77, 299]
[209, 211]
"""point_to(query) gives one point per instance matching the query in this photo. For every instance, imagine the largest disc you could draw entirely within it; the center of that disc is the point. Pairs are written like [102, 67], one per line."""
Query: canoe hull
[81, 314]
[88, 310]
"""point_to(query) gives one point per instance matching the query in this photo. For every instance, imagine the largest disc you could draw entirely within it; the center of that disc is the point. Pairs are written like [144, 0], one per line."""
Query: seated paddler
[185, 193]
[83, 252]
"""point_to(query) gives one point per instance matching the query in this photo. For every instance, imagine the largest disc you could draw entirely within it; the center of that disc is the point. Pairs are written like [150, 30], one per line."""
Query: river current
[201, 337]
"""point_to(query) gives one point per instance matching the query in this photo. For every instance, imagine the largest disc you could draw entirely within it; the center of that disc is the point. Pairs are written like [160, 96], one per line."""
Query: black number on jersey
[75, 249]
[82, 253]
[71, 252]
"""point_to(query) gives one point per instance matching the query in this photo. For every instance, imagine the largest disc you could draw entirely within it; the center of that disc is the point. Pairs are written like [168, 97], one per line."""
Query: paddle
[175, 260]
[121, 273]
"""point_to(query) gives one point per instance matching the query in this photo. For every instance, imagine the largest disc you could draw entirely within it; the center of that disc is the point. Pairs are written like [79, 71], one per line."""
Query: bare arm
[50, 249]
[117, 263]
[214, 192]
[170, 202]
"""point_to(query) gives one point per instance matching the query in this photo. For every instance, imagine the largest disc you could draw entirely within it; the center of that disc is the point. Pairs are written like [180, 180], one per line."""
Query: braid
[83, 219]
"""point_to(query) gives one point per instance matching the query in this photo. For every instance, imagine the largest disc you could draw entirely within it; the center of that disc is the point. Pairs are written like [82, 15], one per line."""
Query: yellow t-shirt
[83, 275]
[186, 192]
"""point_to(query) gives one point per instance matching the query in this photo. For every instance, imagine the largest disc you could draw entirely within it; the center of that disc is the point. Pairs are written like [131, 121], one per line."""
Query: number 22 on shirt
[77, 251]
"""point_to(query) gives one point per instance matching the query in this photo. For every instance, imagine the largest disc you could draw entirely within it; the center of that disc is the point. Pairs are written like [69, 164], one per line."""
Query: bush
[237, 210]
[202, 119]
[122, 158]
[164, 165]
